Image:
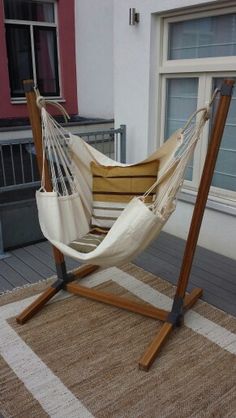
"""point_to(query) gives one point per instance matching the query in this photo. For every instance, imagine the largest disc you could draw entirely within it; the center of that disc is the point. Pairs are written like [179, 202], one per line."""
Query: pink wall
[67, 64]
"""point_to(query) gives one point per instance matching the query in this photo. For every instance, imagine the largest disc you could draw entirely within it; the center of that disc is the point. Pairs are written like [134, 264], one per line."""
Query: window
[31, 37]
[204, 37]
[225, 171]
[199, 51]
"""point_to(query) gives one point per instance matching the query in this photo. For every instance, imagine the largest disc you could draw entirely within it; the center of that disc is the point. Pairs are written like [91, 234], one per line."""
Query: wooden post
[206, 179]
[34, 115]
[83, 271]
[179, 304]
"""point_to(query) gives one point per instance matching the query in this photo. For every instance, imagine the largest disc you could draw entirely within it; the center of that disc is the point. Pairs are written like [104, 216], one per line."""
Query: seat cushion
[114, 187]
[89, 242]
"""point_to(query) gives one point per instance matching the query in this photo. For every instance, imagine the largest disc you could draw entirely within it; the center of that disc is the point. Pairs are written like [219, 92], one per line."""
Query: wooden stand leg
[59, 284]
[83, 271]
[192, 298]
[119, 302]
[150, 354]
[37, 305]
[152, 351]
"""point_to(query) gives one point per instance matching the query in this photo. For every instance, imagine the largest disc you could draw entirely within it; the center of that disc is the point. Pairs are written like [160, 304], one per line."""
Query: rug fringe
[26, 286]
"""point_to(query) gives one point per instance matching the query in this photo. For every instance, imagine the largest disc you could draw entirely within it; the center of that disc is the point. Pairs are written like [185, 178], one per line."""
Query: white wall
[94, 57]
[136, 63]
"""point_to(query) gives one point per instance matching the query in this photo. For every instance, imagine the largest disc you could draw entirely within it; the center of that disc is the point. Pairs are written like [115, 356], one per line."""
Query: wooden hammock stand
[181, 302]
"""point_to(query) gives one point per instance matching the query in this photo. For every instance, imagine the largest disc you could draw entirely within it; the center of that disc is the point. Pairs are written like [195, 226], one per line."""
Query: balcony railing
[18, 165]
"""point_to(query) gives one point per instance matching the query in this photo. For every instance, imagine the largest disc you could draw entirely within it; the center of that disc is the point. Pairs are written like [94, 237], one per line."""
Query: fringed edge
[26, 286]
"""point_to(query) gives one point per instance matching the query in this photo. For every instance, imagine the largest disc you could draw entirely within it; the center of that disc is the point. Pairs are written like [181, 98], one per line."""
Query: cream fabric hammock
[65, 213]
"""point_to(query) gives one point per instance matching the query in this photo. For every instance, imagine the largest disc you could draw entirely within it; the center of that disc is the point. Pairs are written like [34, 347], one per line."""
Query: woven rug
[78, 358]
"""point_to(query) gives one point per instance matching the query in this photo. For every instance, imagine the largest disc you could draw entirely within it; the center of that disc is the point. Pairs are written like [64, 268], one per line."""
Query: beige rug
[78, 358]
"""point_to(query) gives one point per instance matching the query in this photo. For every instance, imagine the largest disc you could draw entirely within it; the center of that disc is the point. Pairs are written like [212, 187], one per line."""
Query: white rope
[55, 140]
[42, 102]
[176, 179]
[179, 161]
[62, 160]
[55, 146]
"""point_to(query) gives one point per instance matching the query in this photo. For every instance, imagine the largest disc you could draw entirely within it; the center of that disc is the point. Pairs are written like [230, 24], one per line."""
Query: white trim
[205, 69]
[30, 23]
[196, 65]
[22, 100]
[214, 203]
[33, 53]
[215, 10]
[216, 5]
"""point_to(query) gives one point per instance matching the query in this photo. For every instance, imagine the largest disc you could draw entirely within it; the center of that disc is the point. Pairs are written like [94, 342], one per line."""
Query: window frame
[31, 24]
[225, 63]
[205, 69]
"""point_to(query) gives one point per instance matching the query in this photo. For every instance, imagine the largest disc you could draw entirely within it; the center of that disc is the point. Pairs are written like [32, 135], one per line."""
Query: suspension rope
[55, 144]
[178, 163]
[55, 140]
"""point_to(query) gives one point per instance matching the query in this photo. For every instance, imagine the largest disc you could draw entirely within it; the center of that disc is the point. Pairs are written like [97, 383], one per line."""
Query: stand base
[143, 309]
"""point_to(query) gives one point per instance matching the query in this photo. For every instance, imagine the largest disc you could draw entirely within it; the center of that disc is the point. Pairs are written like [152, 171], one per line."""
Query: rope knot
[207, 111]
[40, 101]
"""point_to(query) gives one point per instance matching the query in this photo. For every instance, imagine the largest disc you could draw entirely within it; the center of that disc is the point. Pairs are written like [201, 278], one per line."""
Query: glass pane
[205, 37]
[46, 60]
[225, 171]
[181, 101]
[29, 10]
[19, 57]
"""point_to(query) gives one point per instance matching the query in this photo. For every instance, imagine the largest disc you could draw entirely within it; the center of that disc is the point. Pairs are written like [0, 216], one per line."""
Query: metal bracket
[176, 314]
[226, 89]
[28, 86]
[63, 276]
[58, 284]
[61, 271]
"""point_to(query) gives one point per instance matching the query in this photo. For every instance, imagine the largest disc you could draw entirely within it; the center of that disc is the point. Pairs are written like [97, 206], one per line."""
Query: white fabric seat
[65, 213]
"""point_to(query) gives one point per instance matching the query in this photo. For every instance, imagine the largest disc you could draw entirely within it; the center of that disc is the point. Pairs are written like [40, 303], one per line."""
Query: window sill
[217, 204]
[22, 100]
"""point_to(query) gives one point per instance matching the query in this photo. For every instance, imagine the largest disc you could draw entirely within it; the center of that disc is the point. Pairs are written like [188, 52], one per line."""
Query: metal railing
[18, 165]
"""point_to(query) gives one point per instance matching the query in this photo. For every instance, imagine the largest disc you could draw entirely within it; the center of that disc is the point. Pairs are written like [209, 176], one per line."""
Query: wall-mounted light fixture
[133, 16]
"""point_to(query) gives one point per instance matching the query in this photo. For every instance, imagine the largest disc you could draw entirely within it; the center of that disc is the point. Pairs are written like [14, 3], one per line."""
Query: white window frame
[31, 24]
[205, 69]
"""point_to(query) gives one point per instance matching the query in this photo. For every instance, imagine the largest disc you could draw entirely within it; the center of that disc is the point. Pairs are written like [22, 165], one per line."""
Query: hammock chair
[97, 210]
[70, 204]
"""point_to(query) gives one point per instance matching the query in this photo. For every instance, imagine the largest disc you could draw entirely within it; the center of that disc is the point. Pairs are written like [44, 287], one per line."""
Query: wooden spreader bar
[181, 302]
